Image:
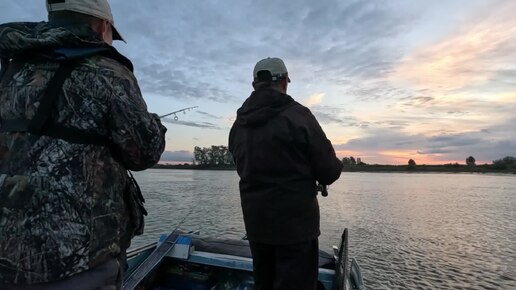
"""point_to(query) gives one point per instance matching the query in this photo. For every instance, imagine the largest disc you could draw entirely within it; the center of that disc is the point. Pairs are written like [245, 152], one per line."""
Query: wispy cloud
[205, 114]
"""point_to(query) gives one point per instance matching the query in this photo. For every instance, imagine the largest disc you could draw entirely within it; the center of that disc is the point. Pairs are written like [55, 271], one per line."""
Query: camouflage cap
[95, 8]
[275, 66]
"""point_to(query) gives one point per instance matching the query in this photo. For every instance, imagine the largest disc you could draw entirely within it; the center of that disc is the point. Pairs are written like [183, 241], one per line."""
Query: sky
[389, 81]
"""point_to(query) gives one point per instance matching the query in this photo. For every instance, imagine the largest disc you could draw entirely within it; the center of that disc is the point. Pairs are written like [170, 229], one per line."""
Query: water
[408, 231]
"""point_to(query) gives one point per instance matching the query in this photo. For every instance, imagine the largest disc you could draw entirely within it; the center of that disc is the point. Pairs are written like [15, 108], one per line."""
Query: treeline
[508, 162]
[215, 156]
[219, 157]
[352, 161]
[212, 158]
[506, 165]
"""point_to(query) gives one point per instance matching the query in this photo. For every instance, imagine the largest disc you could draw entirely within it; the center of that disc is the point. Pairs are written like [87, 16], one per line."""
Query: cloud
[417, 101]
[335, 115]
[462, 139]
[473, 55]
[392, 146]
[181, 155]
[201, 56]
[163, 80]
[314, 99]
[205, 114]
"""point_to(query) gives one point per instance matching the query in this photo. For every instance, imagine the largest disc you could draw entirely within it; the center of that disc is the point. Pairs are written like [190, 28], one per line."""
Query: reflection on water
[408, 231]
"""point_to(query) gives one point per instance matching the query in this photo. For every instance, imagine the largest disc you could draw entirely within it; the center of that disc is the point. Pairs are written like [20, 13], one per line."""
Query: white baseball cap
[275, 66]
[95, 8]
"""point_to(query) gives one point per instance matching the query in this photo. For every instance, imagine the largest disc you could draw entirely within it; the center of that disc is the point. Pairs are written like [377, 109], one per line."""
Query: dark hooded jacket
[280, 152]
[62, 209]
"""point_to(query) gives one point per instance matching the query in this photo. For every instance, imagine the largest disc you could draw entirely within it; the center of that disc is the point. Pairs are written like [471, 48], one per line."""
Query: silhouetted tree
[509, 160]
[200, 155]
[411, 163]
[352, 160]
[346, 161]
[470, 161]
[505, 163]
[214, 155]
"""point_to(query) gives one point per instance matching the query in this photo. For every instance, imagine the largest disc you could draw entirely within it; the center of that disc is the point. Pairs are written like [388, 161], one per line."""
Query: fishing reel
[323, 189]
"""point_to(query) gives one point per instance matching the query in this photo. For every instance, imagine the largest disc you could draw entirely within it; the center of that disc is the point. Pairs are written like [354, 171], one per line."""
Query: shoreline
[371, 168]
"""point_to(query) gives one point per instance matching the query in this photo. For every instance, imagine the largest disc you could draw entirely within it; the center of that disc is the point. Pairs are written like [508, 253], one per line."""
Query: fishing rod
[178, 111]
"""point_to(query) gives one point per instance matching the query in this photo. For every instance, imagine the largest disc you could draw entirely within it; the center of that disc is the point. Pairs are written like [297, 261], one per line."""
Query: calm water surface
[408, 231]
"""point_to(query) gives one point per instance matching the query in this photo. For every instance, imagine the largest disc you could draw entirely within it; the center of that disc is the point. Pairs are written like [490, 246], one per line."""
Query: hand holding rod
[323, 189]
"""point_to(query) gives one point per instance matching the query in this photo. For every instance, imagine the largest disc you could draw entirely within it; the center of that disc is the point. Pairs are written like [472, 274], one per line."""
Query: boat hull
[218, 264]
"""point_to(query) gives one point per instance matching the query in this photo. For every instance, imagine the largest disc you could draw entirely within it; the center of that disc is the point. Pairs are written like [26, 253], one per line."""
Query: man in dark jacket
[281, 152]
[65, 214]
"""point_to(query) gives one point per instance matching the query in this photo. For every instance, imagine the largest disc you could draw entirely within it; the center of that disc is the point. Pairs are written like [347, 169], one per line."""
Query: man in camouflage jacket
[62, 209]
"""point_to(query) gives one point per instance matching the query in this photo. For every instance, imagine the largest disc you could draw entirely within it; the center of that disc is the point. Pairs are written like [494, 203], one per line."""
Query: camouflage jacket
[62, 209]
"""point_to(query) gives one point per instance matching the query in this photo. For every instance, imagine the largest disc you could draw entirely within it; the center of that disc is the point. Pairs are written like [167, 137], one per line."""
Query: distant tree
[352, 160]
[505, 163]
[346, 161]
[499, 164]
[411, 163]
[214, 155]
[200, 155]
[470, 161]
[223, 152]
[228, 158]
[509, 160]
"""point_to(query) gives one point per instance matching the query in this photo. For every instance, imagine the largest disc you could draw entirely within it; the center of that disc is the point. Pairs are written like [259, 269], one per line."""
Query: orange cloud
[314, 99]
[470, 57]
[403, 156]
[346, 153]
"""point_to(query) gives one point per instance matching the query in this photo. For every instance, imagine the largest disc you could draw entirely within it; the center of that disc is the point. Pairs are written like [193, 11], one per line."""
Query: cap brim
[116, 34]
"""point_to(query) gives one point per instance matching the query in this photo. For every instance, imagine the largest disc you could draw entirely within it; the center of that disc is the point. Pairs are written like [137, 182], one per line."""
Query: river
[407, 231]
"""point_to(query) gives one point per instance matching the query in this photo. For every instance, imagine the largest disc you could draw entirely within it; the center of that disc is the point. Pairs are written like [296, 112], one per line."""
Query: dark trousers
[285, 267]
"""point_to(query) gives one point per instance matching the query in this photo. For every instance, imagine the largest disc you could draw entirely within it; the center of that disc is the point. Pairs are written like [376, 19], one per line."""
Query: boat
[186, 260]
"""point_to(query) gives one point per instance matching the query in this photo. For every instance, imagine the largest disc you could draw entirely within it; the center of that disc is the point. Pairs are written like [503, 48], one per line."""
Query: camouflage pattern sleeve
[138, 136]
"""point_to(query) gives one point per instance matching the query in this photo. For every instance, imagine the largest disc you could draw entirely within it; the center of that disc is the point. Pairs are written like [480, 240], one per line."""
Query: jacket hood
[263, 105]
[23, 37]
